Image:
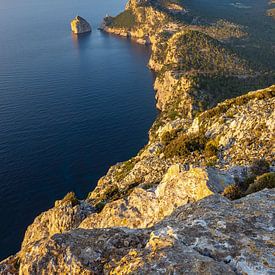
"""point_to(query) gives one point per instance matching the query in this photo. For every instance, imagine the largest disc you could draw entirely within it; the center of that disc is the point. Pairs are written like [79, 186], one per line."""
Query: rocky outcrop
[80, 25]
[212, 236]
[66, 215]
[144, 208]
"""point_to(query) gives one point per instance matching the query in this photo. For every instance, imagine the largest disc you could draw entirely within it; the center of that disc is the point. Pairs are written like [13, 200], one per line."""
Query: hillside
[197, 199]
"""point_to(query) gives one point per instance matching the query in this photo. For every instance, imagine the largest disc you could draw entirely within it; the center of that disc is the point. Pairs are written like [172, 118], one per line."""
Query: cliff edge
[198, 198]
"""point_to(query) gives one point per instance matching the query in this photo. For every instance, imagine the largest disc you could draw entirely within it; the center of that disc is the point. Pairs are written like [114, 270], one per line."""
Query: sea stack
[80, 25]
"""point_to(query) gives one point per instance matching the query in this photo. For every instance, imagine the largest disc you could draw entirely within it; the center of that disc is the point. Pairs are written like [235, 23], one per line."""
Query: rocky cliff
[214, 236]
[167, 210]
[80, 25]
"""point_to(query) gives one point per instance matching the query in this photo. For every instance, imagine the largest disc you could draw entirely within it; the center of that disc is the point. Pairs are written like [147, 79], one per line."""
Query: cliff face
[163, 211]
[154, 214]
[80, 25]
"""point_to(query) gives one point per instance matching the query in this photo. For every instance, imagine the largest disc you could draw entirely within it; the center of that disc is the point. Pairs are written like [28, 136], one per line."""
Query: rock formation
[80, 25]
[167, 210]
[214, 236]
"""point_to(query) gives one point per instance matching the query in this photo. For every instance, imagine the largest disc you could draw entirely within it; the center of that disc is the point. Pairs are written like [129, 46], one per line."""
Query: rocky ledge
[213, 236]
[80, 25]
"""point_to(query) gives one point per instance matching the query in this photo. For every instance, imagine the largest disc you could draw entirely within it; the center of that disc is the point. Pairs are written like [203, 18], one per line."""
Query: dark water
[69, 107]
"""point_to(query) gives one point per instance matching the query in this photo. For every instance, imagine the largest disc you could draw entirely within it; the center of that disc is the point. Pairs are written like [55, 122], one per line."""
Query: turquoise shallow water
[69, 106]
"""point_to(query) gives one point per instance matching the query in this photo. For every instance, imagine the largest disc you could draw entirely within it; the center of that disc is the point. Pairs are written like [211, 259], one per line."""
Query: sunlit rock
[80, 25]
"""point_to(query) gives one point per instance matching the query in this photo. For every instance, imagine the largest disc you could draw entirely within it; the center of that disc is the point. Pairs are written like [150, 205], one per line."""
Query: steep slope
[163, 211]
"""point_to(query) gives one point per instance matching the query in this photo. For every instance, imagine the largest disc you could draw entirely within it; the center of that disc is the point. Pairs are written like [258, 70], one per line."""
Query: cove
[70, 107]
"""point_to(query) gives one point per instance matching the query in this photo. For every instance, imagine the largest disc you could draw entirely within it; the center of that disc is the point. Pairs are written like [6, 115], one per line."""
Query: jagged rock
[147, 169]
[65, 216]
[144, 208]
[244, 127]
[80, 25]
[212, 236]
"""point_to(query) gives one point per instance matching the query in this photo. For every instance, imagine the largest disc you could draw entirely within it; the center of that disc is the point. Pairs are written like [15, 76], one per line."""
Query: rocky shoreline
[187, 203]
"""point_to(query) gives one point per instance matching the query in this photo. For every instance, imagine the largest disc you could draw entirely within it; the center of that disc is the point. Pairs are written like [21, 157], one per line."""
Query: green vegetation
[266, 180]
[217, 87]
[211, 149]
[124, 169]
[181, 145]
[168, 136]
[233, 192]
[198, 52]
[215, 70]
[185, 144]
[259, 179]
[238, 101]
[115, 194]
[125, 19]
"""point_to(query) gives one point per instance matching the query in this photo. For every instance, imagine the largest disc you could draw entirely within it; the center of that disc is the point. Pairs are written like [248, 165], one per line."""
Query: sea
[70, 106]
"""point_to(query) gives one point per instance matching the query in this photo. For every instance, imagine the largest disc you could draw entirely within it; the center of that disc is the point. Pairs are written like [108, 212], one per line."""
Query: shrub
[184, 144]
[260, 167]
[168, 136]
[211, 161]
[266, 180]
[211, 149]
[247, 181]
[233, 192]
[100, 206]
[172, 114]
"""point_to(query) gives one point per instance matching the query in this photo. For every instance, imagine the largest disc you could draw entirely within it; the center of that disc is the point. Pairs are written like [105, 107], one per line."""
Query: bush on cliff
[258, 168]
[233, 192]
[184, 144]
[211, 148]
[266, 180]
[181, 145]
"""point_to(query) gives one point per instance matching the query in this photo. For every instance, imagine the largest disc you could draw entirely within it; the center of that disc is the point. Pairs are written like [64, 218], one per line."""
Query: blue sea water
[69, 106]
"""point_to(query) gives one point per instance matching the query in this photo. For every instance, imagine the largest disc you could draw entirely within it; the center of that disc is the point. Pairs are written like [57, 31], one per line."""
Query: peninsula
[198, 198]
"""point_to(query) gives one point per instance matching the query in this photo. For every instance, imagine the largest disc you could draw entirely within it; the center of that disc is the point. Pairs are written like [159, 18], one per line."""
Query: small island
[80, 25]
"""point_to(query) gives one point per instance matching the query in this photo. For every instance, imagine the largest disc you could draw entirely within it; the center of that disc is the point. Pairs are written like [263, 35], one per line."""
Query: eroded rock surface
[212, 236]
[80, 25]
[144, 208]
[65, 216]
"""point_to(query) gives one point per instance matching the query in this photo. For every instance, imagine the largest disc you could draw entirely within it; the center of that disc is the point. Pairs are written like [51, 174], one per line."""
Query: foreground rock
[80, 25]
[66, 215]
[212, 236]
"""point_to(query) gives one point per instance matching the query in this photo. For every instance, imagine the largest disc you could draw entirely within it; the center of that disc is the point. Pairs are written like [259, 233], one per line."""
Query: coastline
[143, 192]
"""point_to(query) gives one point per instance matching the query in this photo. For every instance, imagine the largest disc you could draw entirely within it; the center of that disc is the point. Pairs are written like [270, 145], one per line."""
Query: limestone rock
[80, 25]
[144, 208]
[212, 236]
[65, 216]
